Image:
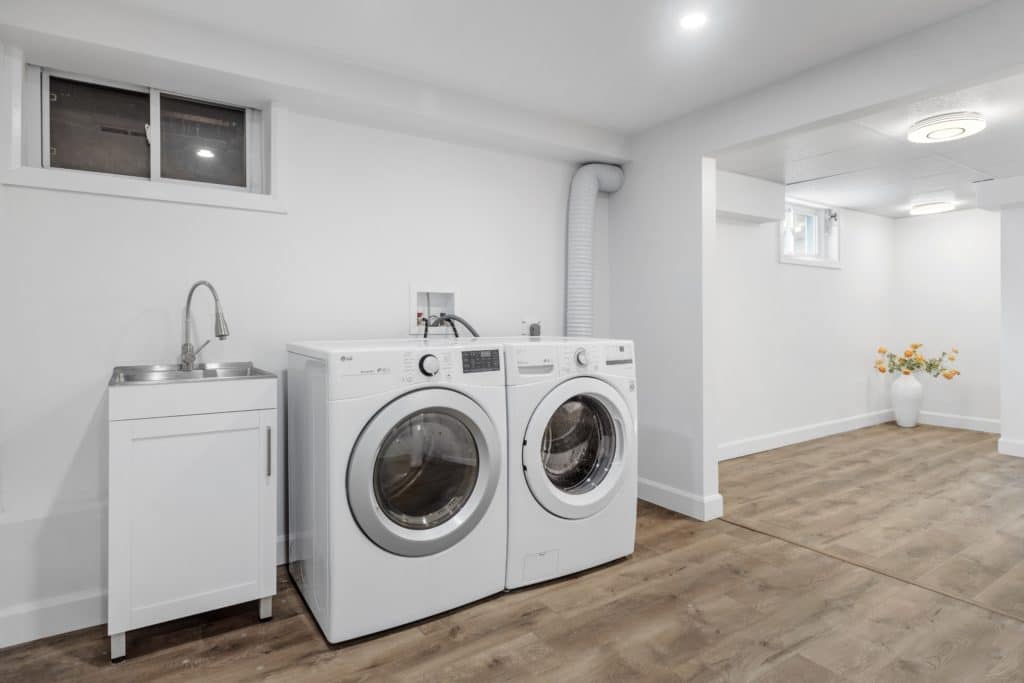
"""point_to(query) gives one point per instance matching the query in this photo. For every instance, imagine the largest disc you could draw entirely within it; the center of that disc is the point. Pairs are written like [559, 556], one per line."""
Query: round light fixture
[929, 208]
[693, 20]
[946, 127]
[205, 153]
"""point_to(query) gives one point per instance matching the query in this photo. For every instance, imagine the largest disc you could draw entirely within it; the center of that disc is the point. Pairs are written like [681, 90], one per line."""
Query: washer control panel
[363, 371]
[420, 366]
[430, 365]
[481, 360]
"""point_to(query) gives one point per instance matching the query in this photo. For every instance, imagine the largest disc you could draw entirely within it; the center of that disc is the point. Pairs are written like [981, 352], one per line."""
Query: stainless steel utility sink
[202, 372]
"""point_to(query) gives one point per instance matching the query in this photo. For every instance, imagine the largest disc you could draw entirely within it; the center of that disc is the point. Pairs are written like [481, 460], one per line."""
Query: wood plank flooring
[937, 507]
[696, 602]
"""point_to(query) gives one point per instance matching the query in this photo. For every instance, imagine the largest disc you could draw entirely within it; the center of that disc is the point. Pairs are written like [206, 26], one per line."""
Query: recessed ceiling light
[693, 20]
[929, 208]
[946, 127]
[204, 153]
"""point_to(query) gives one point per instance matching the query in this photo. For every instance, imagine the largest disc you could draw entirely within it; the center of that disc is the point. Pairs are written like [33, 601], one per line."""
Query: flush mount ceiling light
[204, 153]
[929, 208]
[693, 21]
[946, 127]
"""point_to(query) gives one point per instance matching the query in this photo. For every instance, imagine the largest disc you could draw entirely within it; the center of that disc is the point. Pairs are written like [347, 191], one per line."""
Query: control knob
[581, 358]
[429, 365]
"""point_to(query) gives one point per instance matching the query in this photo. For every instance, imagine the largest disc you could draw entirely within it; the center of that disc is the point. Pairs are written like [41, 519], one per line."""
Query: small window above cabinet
[81, 133]
[202, 142]
[809, 236]
[96, 128]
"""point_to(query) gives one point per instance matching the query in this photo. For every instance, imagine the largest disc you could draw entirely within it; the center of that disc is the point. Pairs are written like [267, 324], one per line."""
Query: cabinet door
[192, 514]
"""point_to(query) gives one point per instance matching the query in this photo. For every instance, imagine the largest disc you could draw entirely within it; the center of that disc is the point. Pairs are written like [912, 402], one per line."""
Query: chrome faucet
[220, 326]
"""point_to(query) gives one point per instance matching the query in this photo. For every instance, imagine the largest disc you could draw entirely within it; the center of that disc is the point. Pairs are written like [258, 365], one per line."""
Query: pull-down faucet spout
[220, 326]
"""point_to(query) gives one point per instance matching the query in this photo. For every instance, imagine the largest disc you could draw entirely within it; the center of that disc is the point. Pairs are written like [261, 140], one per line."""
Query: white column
[1011, 378]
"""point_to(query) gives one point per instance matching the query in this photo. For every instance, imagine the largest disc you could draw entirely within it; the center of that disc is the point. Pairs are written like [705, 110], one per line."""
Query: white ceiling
[869, 165]
[622, 65]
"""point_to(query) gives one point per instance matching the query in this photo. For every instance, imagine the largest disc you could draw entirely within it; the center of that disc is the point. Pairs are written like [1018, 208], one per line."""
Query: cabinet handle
[268, 451]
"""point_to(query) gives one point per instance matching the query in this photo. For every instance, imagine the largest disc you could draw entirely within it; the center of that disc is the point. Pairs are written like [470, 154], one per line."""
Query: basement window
[809, 236]
[86, 124]
[98, 128]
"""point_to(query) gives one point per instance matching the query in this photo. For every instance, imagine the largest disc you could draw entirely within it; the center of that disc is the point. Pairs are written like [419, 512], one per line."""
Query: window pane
[96, 128]
[805, 234]
[203, 142]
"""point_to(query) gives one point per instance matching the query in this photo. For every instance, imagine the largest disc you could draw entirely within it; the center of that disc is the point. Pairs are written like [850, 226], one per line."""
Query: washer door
[575, 448]
[424, 472]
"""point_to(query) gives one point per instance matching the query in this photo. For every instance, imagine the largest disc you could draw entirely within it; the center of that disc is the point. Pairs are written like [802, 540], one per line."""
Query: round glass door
[426, 469]
[578, 446]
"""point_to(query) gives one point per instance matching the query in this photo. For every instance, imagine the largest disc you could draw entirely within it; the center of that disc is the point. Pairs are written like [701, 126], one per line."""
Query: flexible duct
[579, 284]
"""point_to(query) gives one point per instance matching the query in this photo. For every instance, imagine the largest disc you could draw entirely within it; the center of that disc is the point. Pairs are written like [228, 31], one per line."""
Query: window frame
[822, 259]
[254, 166]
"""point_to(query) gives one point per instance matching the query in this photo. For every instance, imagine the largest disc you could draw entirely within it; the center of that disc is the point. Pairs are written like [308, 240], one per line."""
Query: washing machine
[396, 479]
[572, 428]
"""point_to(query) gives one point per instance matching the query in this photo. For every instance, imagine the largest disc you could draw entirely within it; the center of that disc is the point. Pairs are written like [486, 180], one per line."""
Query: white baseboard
[1011, 447]
[977, 424]
[704, 508]
[63, 613]
[52, 616]
[767, 442]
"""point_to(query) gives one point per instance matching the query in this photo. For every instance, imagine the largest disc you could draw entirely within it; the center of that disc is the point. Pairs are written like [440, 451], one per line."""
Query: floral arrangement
[912, 360]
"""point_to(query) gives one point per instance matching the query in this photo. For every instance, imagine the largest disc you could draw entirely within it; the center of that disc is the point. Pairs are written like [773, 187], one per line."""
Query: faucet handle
[188, 354]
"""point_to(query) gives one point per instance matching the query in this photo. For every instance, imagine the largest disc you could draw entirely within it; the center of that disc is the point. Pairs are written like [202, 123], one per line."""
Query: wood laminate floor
[697, 602]
[934, 506]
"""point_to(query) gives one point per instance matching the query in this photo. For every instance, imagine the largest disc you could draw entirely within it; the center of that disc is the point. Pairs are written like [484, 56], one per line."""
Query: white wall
[947, 294]
[795, 343]
[664, 230]
[92, 282]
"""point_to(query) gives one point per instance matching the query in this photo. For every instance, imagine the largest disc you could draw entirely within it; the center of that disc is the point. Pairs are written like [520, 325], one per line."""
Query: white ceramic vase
[907, 393]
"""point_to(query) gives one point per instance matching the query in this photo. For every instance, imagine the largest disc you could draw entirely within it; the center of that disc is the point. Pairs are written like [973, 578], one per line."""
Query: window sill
[812, 263]
[139, 188]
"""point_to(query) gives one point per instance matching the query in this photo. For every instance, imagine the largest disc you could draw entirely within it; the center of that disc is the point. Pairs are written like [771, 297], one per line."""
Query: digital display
[488, 360]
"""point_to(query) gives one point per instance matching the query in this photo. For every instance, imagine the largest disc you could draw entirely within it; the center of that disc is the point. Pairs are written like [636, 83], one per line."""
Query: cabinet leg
[266, 608]
[117, 647]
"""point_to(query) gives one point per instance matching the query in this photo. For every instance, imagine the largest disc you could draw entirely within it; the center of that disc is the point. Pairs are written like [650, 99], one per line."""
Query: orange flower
[949, 374]
[908, 354]
[906, 372]
[916, 346]
[956, 350]
[952, 358]
[882, 350]
[881, 369]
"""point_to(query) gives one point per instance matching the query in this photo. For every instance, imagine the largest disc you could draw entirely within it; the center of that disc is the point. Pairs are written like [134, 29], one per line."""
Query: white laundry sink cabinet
[193, 498]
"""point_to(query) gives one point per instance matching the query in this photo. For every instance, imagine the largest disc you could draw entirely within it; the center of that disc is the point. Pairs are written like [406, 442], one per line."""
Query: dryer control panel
[540, 361]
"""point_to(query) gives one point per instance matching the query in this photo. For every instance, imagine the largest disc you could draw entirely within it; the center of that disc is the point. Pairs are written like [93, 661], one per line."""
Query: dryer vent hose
[579, 272]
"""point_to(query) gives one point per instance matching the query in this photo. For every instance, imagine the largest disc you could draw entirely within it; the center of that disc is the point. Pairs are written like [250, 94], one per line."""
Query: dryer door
[424, 471]
[577, 447]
